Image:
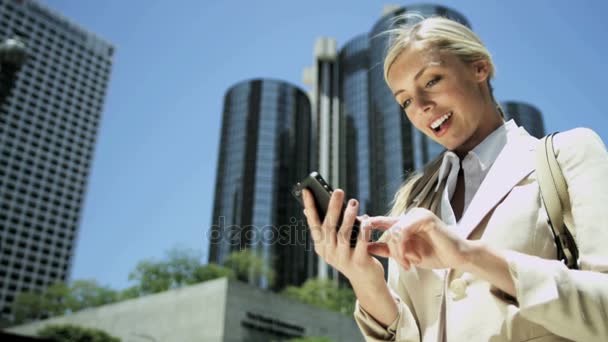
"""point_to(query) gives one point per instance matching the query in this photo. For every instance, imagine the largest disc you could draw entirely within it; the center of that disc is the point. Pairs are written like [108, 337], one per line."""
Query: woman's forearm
[375, 298]
[490, 265]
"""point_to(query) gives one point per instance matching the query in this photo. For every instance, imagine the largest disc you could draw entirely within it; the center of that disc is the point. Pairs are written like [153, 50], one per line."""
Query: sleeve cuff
[372, 329]
[535, 279]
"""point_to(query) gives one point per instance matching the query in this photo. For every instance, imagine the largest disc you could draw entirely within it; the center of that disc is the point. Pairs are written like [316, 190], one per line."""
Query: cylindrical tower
[264, 149]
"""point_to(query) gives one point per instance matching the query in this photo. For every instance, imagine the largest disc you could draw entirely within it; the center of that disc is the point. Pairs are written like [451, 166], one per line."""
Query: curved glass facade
[396, 146]
[264, 150]
[525, 115]
[354, 93]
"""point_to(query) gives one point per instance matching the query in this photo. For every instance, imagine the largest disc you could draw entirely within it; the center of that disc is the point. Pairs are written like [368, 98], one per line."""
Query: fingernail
[352, 202]
[304, 211]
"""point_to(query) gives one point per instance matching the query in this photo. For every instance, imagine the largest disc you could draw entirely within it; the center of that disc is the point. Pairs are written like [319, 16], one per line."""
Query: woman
[471, 256]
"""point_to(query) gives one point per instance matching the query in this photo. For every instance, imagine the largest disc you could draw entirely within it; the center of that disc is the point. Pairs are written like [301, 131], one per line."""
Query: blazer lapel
[514, 162]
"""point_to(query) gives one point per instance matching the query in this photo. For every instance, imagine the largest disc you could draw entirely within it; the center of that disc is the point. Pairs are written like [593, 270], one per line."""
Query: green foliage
[247, 265]
[179, 268]
[151, 276]
[129, 293]
[74, 333]
[325, 294]
[59, 299]
[88, 294]
[28, 306]
[211, 271]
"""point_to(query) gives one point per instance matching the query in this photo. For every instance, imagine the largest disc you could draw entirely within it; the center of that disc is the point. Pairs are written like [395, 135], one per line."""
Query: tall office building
[525, 115]
[48, 127]
[354, 96]
[397, 146]
[327, 141]
[264, 150]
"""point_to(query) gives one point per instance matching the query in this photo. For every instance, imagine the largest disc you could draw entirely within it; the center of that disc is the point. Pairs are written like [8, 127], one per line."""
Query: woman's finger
[365, 234]
[312, 217]
[346, 228]
[397, 251]
[380, 222]
[379, 248]
[334, 210]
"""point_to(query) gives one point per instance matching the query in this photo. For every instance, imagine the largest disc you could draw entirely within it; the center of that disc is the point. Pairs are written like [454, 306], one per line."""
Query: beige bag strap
[554, 193]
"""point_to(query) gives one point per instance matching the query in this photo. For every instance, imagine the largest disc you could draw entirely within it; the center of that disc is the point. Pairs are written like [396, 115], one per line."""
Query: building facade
[264, 150]
[48, 128]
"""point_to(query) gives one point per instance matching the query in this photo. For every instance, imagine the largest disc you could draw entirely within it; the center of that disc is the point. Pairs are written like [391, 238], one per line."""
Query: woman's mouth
[441, 125]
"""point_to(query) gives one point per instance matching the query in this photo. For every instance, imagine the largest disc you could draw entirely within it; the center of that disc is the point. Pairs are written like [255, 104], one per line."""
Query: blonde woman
[471, 256]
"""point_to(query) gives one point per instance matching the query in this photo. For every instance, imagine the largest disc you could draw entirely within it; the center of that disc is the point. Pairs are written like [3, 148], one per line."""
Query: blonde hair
[445, 35]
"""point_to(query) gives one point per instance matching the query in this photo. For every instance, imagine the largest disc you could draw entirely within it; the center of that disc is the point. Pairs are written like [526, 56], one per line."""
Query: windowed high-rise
[354, 95]
[264, 150]
[48, 127]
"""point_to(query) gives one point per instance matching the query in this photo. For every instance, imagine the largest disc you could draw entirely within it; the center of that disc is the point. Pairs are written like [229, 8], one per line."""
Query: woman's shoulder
[579, 137]
[578, 144]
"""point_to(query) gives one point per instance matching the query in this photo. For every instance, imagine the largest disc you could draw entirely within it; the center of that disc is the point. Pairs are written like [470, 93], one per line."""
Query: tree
[325, 294]
[59, 299]
[88, 294]
[211, 271]
[74, 333]
[248, 266]
[129, 293]
[151, 277]
[28, 306]
[180, 267]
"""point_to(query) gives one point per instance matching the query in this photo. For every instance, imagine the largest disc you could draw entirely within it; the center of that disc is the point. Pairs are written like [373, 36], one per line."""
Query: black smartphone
[322, 191]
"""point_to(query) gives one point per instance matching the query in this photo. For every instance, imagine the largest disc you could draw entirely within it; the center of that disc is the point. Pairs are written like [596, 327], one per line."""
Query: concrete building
[48, 127]
[215, 311]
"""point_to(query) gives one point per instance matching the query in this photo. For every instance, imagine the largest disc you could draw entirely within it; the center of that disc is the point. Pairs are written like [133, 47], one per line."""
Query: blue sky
[153, 174]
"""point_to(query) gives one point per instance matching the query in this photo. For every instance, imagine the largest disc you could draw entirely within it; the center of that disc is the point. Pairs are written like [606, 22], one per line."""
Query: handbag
[554, 194]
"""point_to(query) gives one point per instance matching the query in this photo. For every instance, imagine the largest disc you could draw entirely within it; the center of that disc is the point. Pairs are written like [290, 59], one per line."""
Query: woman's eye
[406, 103]
[433, 82]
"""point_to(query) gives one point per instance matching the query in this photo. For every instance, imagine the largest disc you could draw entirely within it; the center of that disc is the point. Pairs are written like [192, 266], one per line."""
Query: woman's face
[444, 97]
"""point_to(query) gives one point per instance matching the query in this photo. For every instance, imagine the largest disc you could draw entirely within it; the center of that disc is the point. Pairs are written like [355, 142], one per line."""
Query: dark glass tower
[396, 146]
[265, 148]
[48, 127]
[525, 115]
[354, 93]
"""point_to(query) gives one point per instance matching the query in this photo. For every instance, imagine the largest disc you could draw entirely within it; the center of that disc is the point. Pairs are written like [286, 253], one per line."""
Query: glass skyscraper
[354, 95]
[397, 147]
[48, 127]
[525, 115]
[265, 148]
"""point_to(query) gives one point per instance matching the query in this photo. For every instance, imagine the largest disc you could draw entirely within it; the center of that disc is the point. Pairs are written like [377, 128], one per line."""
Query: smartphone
[321, 192]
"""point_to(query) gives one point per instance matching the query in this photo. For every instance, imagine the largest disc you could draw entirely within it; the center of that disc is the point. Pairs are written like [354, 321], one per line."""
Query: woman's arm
[572, 303]
[569, 303]
[378, 311]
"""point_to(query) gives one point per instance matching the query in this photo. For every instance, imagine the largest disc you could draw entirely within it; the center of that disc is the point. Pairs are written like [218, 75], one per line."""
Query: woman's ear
[481, 70]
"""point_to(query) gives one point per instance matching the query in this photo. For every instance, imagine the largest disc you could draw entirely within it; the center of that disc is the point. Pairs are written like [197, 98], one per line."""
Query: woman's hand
[333, 244]
[420, 238]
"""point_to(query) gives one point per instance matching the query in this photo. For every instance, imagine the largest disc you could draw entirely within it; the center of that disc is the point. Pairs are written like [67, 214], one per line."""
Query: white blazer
[553, 303]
